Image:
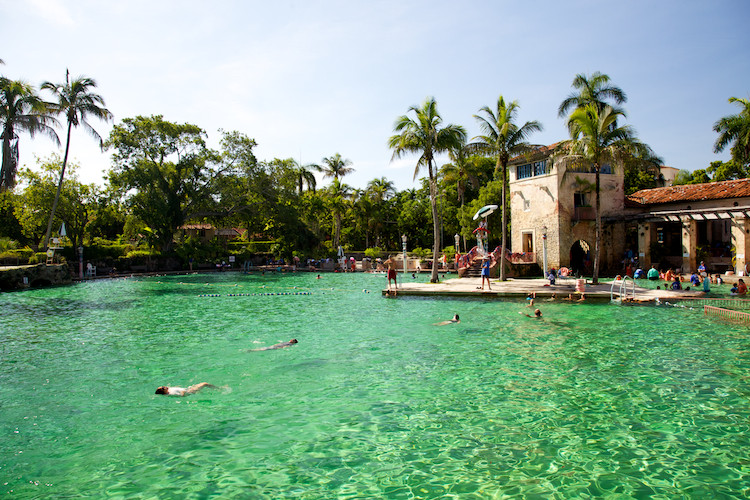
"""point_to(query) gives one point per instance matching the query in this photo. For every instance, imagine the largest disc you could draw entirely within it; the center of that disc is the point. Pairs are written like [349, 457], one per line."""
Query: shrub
[373, 252]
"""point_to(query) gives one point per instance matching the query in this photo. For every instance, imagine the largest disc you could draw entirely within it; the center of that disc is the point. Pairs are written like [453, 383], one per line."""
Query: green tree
[379, 192]
[735, 130]
[424, 135]
[503, 139]
[306, 175]
[163, 170]
[77, 102]
[337, 195]
[595, 90]
[594, 140]
[727, 170]
[21, 110]
[76, 201]
[335, 166]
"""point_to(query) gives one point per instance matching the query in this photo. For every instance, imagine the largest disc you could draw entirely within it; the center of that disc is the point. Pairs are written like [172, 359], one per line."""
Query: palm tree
[503, 139]
[592, 90]
[336, 167]
[425, 136]
[379, 191]
[21, 109]
[338, 194]
[76, 101]
[595, 140]
[305, 175]
[735, 129]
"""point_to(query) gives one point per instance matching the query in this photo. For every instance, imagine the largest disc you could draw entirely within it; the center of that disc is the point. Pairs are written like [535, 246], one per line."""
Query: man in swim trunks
[182, 391]
[391, 272]
[486, 272]
[277, 346]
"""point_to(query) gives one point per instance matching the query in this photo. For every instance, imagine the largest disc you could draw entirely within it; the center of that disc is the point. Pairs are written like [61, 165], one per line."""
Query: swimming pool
[374, 401]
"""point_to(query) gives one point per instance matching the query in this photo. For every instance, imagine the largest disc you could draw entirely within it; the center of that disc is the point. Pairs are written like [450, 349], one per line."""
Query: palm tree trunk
[59, 188]
[5, 169]
[337, 232]
[504, 243]
[435, 224]
[598, 229]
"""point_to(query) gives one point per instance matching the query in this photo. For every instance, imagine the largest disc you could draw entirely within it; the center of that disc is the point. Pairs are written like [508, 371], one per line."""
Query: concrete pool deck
[521, 287]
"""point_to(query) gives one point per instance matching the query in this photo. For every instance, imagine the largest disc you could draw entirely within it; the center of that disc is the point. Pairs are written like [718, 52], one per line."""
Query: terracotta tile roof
[535, 154]
[739, 188]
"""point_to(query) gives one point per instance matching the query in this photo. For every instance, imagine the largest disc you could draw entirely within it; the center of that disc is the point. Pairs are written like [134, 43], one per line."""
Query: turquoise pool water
[374, 402]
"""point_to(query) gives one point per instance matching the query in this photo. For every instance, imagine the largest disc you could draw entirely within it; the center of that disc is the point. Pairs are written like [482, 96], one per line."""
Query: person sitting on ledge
[676, 283]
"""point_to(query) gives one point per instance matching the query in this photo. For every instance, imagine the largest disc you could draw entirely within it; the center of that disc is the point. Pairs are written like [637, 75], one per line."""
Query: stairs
[475, 271]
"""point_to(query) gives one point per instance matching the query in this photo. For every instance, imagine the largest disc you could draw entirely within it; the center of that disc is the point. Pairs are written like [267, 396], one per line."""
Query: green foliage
[373, 252]
[162, 170]
[422, 253]
[140, 254]
[75, 203]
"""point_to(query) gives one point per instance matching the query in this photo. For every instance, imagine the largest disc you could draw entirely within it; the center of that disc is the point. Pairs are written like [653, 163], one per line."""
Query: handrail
[623, 292]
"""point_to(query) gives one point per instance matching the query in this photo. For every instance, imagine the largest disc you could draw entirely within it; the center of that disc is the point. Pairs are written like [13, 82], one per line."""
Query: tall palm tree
[595, 140]
[336, 167]
[379, 191]
[424, 135]
[457, 170]
[306, 176]
[595, 89]
[338, 194]
[77, 102]
[503, 139]
[21, 110]
[735, 130]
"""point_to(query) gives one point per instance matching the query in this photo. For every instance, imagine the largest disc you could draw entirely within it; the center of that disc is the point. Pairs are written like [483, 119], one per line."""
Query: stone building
[552, 218]
[552, 212]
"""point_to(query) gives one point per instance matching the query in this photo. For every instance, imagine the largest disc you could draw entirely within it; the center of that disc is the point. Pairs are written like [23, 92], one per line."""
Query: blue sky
[309, 79]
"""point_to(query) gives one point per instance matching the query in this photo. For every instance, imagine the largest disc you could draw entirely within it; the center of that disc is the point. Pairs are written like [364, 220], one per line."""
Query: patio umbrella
[485, 211]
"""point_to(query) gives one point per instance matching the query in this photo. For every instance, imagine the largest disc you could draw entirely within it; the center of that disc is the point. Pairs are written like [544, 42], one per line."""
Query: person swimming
[450, 321]
[537, 314]
[277, 346]
[182, 391]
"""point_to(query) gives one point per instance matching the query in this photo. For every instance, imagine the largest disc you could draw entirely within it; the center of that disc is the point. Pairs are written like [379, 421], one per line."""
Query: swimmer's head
[162, 390]
[537, 313]
[293, 341]
[455, 317]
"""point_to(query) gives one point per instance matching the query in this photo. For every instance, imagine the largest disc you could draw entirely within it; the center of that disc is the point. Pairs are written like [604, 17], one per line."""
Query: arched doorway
[580, 258]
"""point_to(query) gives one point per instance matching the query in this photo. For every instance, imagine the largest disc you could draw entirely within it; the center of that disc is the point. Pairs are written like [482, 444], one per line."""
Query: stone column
[645, 237]
[689, 245]
[741, 241]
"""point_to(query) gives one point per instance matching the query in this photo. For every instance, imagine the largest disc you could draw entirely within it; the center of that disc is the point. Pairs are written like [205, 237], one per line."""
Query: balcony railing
[521, 258]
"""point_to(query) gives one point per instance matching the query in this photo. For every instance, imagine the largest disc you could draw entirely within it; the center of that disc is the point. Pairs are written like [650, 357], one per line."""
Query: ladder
[623, 291]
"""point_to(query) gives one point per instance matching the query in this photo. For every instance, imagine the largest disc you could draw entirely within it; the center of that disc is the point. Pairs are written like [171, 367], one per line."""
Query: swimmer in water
[182, 391]
[450, 321]
[277, 346]
[537, 314]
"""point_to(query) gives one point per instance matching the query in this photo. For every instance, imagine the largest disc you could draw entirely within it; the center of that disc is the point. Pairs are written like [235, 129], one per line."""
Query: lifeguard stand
[55, 244]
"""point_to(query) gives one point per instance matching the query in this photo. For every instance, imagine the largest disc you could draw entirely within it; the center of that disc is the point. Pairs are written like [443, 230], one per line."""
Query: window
[532, 169]
[579, 200]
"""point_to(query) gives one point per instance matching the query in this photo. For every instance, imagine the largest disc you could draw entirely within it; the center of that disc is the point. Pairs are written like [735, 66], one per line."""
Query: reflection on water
[374, 401]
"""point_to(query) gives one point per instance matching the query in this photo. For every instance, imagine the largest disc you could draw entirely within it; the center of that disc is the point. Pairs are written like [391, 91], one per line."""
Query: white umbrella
[62, 230]
[485, 211]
